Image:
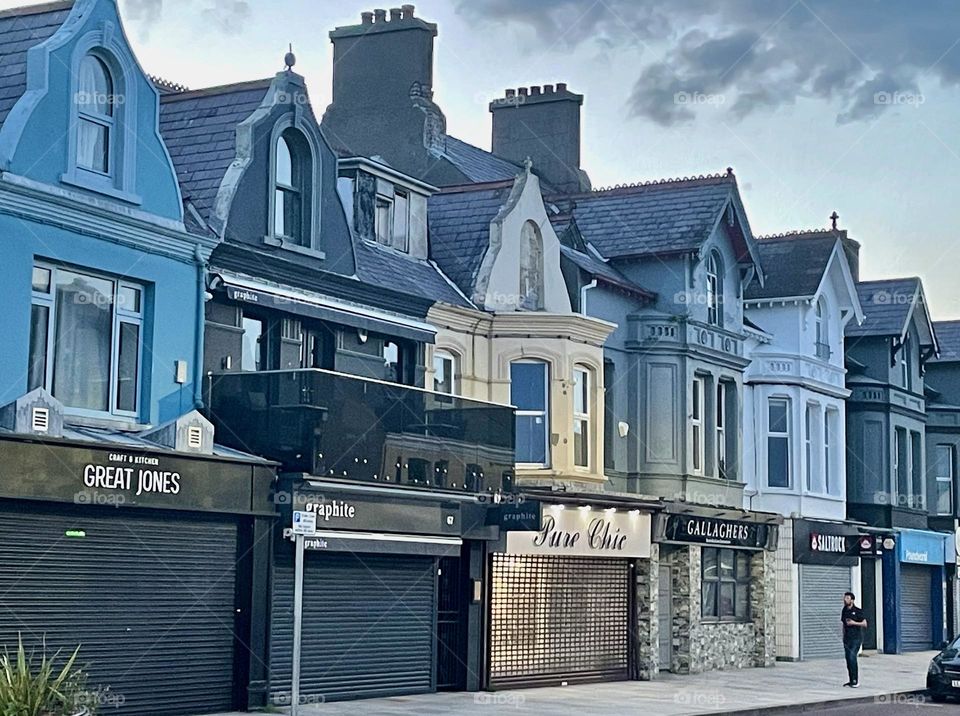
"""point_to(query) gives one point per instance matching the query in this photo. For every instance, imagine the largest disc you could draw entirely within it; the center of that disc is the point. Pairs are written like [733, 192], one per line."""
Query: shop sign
[304, 523]
[922, 547]
[825, 543]
[521, 516]
[579, 532]
[369, 514]
[694, 529]
[869, 546]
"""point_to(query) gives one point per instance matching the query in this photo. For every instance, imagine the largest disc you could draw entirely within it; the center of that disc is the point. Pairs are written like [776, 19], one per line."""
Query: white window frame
[721, 428]
[105, 121]
[831, 417]
[808, 426]
[545, 413]
[450, 357]
[119, 316]
[582, 384]
[947, 478]
[714, 289]
[696, 424]
[785, 435]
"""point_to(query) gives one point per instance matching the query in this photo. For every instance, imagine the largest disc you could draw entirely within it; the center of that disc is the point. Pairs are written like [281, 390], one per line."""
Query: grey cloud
[144, 14]
[228, 16]
[757, 54]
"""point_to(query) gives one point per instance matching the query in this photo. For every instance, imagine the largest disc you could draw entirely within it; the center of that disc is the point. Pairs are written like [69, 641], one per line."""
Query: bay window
[778, 442]
[696, 425]
[943, 469]
[581, 417]
[721, 429]
[85, 340]
[529, 388]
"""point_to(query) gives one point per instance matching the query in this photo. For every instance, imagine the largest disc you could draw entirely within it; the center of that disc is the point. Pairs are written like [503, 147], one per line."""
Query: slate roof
[21, 29]
[655, 218]
[793, 264]
[478, 164]
[886, 306]
[604, 272]
[459, 221]
[200, 130]
[384, 268]
[948, 336]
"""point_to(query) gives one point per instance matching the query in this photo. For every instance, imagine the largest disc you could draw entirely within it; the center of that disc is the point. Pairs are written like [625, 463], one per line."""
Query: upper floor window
[581, 416]
[721, 429]
[696, 424]
[944, 469]
[831, 477]
[444, 372]
[292, 201]
[531, 267]
[820, 330]
[392, 218]
[529, 392]
[778, 442]
[714, 290]
[95, 116]
[906, 363]
[85, 340]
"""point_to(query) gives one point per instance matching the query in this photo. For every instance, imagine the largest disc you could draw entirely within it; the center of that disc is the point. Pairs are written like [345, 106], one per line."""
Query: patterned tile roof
[793, 264]
[478, 164]
[948, 336]
[603, 271]
[385, 268]
[200, 130]
[21, 29]
[887, 305]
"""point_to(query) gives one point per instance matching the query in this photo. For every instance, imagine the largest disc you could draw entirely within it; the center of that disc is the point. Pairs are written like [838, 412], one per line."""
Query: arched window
[531, 267]
[292, 165]
[820, 329]
[95, 116]
[714, 290]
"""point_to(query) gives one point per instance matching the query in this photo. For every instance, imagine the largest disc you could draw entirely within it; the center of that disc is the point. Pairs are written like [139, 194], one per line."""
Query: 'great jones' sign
[131, 473]
[578, 532]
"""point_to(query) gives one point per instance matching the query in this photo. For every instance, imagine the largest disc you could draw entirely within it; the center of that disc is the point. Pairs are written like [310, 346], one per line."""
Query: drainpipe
[201, 264]
[583, 295]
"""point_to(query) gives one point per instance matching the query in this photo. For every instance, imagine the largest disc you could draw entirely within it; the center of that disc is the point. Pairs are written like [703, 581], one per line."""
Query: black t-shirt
[852, 633]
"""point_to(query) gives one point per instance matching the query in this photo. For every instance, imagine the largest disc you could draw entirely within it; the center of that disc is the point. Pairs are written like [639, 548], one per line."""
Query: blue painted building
[112, 489]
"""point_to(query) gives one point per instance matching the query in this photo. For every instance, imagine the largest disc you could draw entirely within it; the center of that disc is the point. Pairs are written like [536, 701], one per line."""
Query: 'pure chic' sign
[578, 532]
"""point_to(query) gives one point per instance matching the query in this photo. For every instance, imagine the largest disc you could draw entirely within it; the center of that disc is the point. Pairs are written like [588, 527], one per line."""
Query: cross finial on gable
[833, 219]
[527, 164]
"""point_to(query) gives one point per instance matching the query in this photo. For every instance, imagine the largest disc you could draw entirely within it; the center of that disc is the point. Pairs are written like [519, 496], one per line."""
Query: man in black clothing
[854, 623]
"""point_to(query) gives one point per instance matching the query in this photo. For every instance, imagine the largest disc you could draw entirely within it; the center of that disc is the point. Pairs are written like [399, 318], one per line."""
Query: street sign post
[304, 524]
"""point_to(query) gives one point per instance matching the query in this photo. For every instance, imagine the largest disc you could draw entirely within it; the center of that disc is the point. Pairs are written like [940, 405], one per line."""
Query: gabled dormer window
[95, 103]
[820, 330]
[292, 167]
[714, 290]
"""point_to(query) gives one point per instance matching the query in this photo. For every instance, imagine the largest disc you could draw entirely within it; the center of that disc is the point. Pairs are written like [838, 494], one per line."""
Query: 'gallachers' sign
[577, 532]
[694, 529]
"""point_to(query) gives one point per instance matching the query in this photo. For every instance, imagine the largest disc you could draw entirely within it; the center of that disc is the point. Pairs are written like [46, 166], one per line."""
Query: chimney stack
[542, 123]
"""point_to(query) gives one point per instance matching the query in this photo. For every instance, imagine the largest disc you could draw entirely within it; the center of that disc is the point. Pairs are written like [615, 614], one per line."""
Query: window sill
[296, 248]
[724, 620]
[101, 185]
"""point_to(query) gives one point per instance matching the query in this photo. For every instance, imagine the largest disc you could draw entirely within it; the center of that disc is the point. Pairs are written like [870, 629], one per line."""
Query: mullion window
[725, 584]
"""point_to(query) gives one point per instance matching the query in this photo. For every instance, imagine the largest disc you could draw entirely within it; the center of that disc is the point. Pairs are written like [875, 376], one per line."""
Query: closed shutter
[916, 607]
[368, 626]
[821, 601]
[150, 602]
[558, 619]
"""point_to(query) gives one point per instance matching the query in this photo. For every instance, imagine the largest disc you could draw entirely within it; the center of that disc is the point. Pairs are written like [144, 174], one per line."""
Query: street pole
[297, 625]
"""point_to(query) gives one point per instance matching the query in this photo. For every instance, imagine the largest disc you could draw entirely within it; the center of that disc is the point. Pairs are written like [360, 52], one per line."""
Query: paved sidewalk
[714, 693]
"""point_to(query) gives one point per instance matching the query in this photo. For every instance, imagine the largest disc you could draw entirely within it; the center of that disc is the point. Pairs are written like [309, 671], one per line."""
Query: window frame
[383, 238]
[545, 413]
[785, 435]
[582, 419]
[107, 122]
[697, 431]
[808, 444]
[831, 444]
[948, 479]
[119, 316]
[714, 289]
[720, 432]
[443, 354]
[739, 581]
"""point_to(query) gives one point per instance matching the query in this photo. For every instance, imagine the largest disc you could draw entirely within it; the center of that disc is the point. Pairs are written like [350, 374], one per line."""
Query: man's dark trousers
[851, 647]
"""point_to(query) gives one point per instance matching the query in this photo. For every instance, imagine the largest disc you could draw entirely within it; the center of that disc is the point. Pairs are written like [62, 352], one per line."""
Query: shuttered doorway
[821, 602]
[556, 619]
[368, 626]
[150, 601]
[916, 607]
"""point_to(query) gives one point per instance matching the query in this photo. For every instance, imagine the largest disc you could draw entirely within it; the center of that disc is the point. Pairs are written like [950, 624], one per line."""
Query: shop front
[914, 589]
[153, 561]
[389, 604]
[562, 599]
[716, 588]
[825, 555]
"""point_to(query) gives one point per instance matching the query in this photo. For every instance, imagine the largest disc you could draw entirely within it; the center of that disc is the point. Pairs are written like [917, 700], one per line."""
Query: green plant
[35, 685]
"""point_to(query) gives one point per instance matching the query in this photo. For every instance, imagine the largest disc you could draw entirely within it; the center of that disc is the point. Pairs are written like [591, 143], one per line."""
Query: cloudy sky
[818, 105]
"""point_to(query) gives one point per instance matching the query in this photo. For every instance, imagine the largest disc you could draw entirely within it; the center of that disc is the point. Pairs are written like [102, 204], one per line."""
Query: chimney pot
[395, 14]
[366, 18]
[535, 90]
[380, 15]
[407, 11]
[523, 91]
[548, 89]
[511, 93]
[561, 86]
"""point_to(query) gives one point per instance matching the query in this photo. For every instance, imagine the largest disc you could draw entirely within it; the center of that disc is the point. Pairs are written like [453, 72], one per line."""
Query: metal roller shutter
[915, 607]
[368, 626]
[821, 601]
[150, 601]
[558, 618]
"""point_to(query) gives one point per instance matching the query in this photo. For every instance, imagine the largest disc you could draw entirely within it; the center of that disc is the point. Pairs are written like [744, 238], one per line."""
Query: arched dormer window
[292, 172]
[714, 290]
[531, 267]
[820, 329]
[95, 116]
